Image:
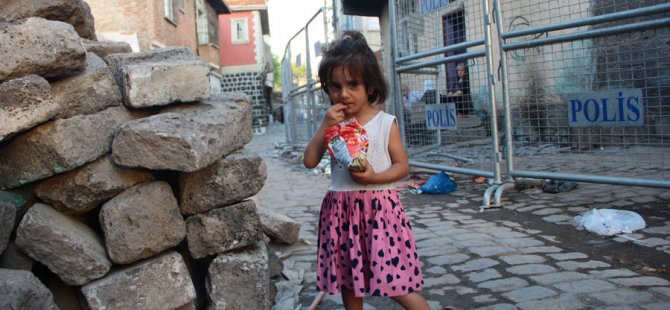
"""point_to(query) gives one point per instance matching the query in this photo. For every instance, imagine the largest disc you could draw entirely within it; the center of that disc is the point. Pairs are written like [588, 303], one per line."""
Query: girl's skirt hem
[365, 244]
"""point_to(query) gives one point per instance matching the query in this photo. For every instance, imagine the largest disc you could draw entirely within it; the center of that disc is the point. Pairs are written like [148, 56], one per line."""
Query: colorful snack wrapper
[347, 142]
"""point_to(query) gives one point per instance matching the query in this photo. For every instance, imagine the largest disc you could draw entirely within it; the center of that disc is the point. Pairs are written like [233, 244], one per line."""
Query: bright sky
[287, 17]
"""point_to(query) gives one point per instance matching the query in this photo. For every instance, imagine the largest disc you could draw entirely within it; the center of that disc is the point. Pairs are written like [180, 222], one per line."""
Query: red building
[244, 37]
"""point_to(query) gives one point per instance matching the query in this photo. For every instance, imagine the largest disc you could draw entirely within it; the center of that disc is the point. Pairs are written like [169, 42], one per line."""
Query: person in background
[365, 242]
[409, 99]
[461, 94]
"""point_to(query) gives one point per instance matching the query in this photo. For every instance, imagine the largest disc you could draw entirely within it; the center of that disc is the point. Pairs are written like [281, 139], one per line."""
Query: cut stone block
[186, 139]
[88, 91]
[20, 289]
[39, 46]
[105, 48]
[160, 77]
[83, 189]
[240, 279]
[279, 226]
[223, 229]
[162, 282]
[140, 222]
[228, 180]
[74, 12]
[7, 218]
[59, 146]
[13, 258]
[65, 245]
[25, 103]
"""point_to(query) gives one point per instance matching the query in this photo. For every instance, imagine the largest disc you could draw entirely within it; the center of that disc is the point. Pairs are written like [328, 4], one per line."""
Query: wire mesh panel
[589, 89]
[301, 91]
[443, 77]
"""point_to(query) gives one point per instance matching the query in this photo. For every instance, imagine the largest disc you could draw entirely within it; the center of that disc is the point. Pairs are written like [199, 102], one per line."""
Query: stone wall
[124, 184]
[251, 83]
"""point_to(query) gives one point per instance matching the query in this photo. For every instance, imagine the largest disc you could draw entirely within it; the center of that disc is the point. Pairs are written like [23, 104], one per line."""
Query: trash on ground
[439, 183]
[479, 180]
[558, 186]
[609, 222]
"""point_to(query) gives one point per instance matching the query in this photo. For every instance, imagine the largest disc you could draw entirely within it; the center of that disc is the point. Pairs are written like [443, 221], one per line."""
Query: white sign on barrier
[428, 6]
[609, 108]
[441, 116]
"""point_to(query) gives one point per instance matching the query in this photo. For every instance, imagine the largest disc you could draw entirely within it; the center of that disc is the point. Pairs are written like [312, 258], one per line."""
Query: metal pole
[492, 98]
[308, 73]
[397, 99]
[509, 147]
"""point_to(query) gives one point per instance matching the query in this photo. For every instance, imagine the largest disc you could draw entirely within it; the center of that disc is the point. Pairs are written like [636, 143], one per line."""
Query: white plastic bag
[609, 222]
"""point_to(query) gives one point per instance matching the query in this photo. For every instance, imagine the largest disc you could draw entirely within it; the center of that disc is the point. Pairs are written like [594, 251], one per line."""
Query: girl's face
[350, 91]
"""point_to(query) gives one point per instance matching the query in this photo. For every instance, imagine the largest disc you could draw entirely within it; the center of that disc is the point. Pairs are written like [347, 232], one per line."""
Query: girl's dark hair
[351, 51]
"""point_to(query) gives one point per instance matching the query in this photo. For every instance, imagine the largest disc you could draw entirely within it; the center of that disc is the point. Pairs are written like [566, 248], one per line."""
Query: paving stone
[525, 242]
[654, 242]
[476, 264]
[585, 286]
[642, 281]
[486, 251]
[573, 265]
[559, 277]
[484, 298]
[448, 259]
[484, 275]
[547, 211]
[623, 297]
[445, 279]
[522, 259]
[498, 307]
[562, 302]
[566, 256]
[530, 269]
[435, 270]
[558, 218]
[541, 249]
[529, 293]
[464, 290]
[502, 285]
[611, 273]
[656, 306]
[509, 235]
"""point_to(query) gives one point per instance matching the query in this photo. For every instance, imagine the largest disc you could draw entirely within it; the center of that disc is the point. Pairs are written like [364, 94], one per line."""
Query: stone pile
[124, 184]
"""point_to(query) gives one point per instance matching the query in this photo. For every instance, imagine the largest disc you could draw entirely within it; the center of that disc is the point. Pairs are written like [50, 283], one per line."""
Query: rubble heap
[124, 183]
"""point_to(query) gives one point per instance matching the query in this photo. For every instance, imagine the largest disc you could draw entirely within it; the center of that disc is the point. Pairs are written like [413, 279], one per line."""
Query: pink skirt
[366, 245]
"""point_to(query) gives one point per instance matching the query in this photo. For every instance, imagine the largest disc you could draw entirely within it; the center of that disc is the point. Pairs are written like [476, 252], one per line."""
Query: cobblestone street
[526, 255]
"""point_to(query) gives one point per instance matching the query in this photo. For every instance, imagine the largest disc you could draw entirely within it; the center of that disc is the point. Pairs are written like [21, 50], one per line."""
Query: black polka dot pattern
[365, 244]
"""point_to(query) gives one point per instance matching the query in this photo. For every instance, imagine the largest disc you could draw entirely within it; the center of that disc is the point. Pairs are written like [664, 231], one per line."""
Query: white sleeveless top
[378, 130]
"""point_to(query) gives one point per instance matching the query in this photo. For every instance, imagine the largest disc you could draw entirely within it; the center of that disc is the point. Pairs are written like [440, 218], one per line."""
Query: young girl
[365, 241]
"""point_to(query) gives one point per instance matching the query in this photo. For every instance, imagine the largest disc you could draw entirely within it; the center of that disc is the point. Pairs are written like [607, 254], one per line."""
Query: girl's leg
[412, 301]
[351, 302]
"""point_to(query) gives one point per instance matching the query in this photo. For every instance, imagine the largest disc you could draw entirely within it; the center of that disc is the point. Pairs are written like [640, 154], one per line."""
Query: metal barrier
[304, 105]
[443, 65]
[587, 88]
[583, 86]
[574, 90]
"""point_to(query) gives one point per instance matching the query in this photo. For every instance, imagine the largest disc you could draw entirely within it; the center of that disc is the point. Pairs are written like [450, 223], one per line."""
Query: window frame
[168, 11]
[234, 39]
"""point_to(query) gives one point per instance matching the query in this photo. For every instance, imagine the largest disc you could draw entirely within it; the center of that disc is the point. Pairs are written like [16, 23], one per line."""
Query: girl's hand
[363, 177]
[334, 115]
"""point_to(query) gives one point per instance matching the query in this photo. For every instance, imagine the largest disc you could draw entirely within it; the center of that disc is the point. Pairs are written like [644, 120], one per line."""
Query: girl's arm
[399, 163]
[317, 146]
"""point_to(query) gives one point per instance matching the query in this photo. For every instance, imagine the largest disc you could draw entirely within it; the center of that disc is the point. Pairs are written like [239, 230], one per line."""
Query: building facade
[244, 37]
[151, 24]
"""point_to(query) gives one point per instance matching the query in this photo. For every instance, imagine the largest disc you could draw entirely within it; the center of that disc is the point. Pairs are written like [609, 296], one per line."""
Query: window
[181, 5]
[169, 9]
[240, 31]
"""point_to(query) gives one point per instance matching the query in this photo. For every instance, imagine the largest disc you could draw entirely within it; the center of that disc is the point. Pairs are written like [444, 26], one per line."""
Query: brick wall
[250, 83]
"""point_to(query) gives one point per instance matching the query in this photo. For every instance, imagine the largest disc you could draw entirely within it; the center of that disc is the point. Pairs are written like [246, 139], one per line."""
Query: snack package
[347, 142]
